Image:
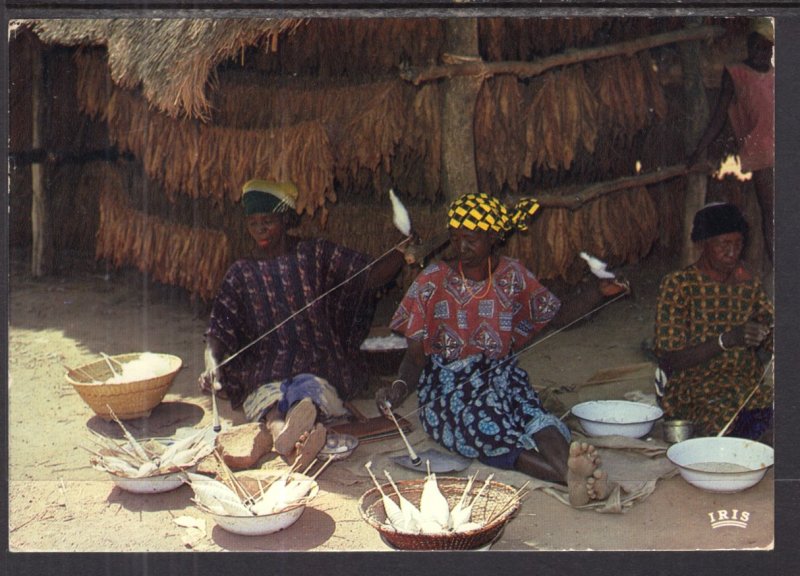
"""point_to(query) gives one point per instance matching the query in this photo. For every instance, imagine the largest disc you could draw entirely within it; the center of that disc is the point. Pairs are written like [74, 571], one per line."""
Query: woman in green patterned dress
[713, 329]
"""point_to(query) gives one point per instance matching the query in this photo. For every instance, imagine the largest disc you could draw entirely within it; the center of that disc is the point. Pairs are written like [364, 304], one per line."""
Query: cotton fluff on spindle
[598, 267]
[400, 216]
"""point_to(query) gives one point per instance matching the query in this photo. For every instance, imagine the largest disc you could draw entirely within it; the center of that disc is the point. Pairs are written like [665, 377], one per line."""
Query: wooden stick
[324, 465]
[84, 374]
[357, 414]
[746, 400]
[480, 68]
[233, 481]
[137, 447]
[217, 425]
[573, 197]
[510, 502]
[415, 460]
[110, 444]
[480, 492]
[309, 467]
[108, 360]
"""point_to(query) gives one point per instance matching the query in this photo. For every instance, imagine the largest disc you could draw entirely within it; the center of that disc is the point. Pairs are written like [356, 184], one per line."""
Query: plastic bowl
[616, 417]
[721, 464]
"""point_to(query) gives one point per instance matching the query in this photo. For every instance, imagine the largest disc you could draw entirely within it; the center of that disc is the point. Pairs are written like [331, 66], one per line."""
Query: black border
[783, 560]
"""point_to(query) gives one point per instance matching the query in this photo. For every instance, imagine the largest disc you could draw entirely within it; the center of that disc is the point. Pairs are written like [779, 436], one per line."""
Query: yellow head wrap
[260, 196]
[484, 212]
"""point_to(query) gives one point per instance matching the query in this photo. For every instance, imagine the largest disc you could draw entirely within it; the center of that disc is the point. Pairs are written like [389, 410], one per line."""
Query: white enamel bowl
[154, 484]
[149, 484]
[616, 417]
[267, 523]
[721, 464]
[338, 446]
[259, 525]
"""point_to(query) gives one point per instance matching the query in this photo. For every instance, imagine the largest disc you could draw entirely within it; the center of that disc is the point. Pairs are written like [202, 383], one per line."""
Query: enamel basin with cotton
[616, 417]
[148, 485]
[260, 525]
[721, 464]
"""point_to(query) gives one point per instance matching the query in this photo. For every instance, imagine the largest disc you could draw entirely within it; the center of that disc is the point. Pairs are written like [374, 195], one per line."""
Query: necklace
[464, 282]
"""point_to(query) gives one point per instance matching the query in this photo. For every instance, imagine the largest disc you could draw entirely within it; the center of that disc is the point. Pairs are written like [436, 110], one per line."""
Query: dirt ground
[58, 503]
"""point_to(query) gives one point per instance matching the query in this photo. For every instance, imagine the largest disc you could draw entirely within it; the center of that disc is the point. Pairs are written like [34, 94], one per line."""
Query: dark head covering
[265, 196]
[715, 219]
[764, 27]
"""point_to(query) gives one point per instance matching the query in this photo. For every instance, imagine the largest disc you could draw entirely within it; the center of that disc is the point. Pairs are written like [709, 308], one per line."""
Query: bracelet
[405, 386]
[721, 344]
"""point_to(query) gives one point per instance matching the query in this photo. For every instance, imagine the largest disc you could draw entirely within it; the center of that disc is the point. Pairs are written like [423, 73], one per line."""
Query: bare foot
[299, 420]
[597, 485]
[585, 481]
[307, 448]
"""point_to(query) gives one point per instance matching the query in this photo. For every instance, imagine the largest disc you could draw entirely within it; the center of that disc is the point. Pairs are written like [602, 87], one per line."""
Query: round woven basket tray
[494, 509]
[128, 400]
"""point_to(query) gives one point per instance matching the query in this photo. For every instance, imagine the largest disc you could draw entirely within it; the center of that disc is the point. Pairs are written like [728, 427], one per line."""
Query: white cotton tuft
[400, 216]
[598, 267]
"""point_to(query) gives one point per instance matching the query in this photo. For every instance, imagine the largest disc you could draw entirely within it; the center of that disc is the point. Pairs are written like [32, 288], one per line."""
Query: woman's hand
[417, 251]
[391, 395]
[749, 335]
[211, 377]
[614, 286]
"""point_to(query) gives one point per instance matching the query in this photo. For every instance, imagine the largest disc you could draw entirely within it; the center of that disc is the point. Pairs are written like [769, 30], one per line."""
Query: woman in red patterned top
[464, 319]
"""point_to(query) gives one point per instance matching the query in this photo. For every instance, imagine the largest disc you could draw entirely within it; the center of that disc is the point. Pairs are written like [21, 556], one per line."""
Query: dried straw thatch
[206, 104]
[312, 137]
[171, 59]
[190, 257]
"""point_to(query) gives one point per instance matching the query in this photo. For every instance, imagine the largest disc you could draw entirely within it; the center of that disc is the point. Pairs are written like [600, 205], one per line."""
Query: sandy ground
[58, 503]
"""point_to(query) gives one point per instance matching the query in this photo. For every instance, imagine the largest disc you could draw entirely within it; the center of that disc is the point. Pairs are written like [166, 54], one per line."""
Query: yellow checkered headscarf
[484, 212]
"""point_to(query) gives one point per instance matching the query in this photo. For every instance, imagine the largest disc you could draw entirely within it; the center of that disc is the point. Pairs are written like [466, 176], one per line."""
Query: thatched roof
[171, 59]
[203, 105]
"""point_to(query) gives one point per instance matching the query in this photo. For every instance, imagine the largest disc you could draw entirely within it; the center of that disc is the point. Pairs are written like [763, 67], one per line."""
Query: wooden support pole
[41, 254]
[696, 107]
[459, 171]
[479, 68]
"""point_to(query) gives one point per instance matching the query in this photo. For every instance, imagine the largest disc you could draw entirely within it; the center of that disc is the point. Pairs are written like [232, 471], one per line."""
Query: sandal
[299, 419]
[309, 448]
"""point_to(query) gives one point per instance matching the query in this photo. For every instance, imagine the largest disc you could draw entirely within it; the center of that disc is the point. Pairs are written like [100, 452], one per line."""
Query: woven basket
[495, 508]
[128, 400]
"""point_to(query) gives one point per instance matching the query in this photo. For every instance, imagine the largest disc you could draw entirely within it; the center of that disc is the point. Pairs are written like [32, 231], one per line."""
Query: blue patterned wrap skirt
[482, 408]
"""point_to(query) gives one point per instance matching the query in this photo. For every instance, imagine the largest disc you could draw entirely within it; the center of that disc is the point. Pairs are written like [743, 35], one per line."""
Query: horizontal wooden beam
[42, 156]
[524, 69]
[573, 197]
